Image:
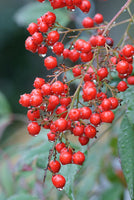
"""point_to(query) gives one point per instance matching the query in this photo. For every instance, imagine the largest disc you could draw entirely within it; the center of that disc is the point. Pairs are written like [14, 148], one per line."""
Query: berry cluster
[50, 104]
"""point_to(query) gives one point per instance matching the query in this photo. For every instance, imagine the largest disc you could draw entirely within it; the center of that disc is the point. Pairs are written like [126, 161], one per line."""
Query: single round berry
[122, 86]
[57, 87]
[128, 50]
[51, 136]
[46, 89]
[36, 100]
[89, 93]
[88, 22]
[85, 6]
[49, 18]
[60, 124]
[38, 82]
[33, 128]
[52, 37]
[33, 114]
[65, 158]
[50, 62]
[130, 80]
[114, 102]
[78, 130]
[107, 116]
[74, 55]
[25, 100]
[122, 67]
[95, 119]
[106, 104]
[60, 146]
[83, 140]
[90, 131]
[102, 73]
[30, 45]
[58, 48]
[85, 112]
[65, 101]
[78, 158]
[61, 111]
[32, 28]
[74, 114]
[98, 18]
[100, 40]
[54, 166]
[37, 38]
[58, 181]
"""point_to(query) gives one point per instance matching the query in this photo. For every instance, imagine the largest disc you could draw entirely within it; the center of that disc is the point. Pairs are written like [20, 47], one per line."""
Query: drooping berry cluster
[50, 105]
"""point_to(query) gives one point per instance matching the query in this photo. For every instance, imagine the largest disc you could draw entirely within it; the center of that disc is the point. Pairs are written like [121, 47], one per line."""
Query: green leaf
[30, 12]
[126, 152]
[114, 192]
[4, 105]
[22, 197]
[6, 179]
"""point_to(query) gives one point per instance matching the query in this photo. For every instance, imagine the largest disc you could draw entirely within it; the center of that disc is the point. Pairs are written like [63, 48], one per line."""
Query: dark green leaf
[30, 12]
[126, 152]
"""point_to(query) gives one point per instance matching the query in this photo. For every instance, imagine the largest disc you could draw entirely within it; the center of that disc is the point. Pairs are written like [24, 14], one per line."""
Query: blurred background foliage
[22, 158]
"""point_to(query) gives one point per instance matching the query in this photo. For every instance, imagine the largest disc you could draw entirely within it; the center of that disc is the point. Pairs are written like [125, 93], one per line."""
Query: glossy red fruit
[30, 45]
[98, 18]
[50, 62]
[42, 50]
[60, 124]
[88, 22]
[25, 100]
[49, 18]
[101, 96]
[78, 130]
[58, 181]
[106, 104]
[65, 158]
[37, 38]
[114, 102]
[122, 86]
[86, 57]
[36, 100]
[52, 37]
[102, 73]
[74, 114]
[32, 28]
[76, 71]
[51, 136]
[46, 89]
[38, 82]
[85, 112]
[58, 48]
[54, 166]
[65, 101]
[122, 67]
[90, 131]
[57, 87]
[61, 111]
[85, 6]
[128, 50]
[130, 80]
[33, 128]
[33, 115]
[89, 93]
[54, 100]
[100, 40]
[83, 140]
[107, 116]
[43, 27]
[78, 158]
[60, 146]
[95, 119]
[74, 55]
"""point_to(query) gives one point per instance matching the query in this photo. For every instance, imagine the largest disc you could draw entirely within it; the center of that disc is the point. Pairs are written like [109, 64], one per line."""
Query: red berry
[102, 73]
[90, 131]
[100, 40]
[50, 62]
[33, 114]
[88, 22]
[58, 48]
[37, 38]
[43, 27]
[122, 86]
[78, 158]
[98, 18]
[30, 45]
[36, 100]
[76, 71]
[85, 6]
[66, 53]
[101, 96]
[58, 181]
[114, 102]
[83, 140]
[38, 82]
[86, 57]
[61, 111]
[59, 146]
[25, 100]
[54, 166]
[130, 80]
[92, 40]
[60, 124]
[106, 104]
[46, 89]
[42, 50]
[89, 93]
[32, 28]
[65, 158]
[78, 130]
[57, 87]
[128, 50]
[107, 116]
[51, 136]
[65, 101]
[33, 128]
[85, 112]
[74, 114]
[122, 67]
[74, 55]
[52, 37]
[49, 18]
[95, 119]
[53, 100]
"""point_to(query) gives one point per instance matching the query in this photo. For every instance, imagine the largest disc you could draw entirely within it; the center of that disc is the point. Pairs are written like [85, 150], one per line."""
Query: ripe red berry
[78, 130]
[42, 50]
[106, 104]
[100, 40]
[58, 48]
[33, 128]
[32, 28]
[88, 22]
[61, 111]
[78, 158]
[52, 38]
[38, 82]
[74, 114]
[57, 87]
[86, 57]
[54, 166]
[89, 93]
[30, 45]
[95, 119]
[130, 80]
[53, 100]
[66, 53]
[122, 67]
[36, 100]
[51, 136]
[107, 116]
[60, 124]
[114, 102]
[83, 140]
[90, 131]
[37, 38]
[25, 100]
[122, 86]
[102, 73]
[85, 6]
[98, 18]
[59, 146]
[33, 114]
[65, 101]
[74, 55]
[58, 181]
[50, 62]
[49, 18]
[128, 50]
[65, 158]
[85, 112]
[76, 71]
[46, 89]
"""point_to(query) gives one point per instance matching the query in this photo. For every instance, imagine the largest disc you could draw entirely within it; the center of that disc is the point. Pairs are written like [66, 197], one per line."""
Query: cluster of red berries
[84, 5]
[50, 104]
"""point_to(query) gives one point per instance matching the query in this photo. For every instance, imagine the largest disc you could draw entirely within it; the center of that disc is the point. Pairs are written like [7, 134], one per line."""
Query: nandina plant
[50, 104]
